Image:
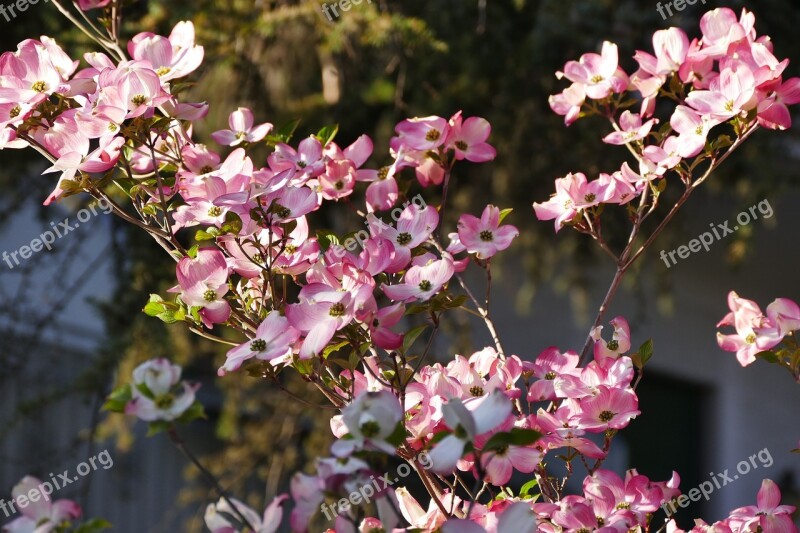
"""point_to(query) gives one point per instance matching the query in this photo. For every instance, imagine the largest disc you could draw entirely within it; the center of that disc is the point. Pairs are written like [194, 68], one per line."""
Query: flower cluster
[345, 311]
[758, 333]
[728, 76]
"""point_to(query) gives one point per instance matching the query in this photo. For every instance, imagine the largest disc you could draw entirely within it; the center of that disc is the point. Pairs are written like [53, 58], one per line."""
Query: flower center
[15, 111]
[210, 295]
[476, 390]
[550, 376]
[403, 238]
[461, 145]
[597, 78]
[282, 211]
[165, 401]
[590, 197]
[39, 86]
[163, 71]
[339, 185]
[613, 345]
[425, 285]
[139, 99]
[258, 345]
[240, 135]
[370, 429]
[623, 505]
[214, 211]
[699, 130]
[383, 173]
[729, 105]
[750, 339]
[206, 169]
[302, 164]
[486, 236]
[606, 416]
[433, 135]
[337, 309]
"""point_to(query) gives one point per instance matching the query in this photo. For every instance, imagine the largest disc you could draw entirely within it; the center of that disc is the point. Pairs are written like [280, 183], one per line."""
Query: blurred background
[71, 324]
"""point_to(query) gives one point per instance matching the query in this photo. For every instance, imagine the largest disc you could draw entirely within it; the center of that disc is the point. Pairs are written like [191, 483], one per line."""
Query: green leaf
[206, 235]
[398, 436]
[283, 134]
[325, 239]
[504, 213]
[410, 338]
[515, 437]
[118, 399]
[156, 427]
[334, 348]
[326, 134]
[195, 411]
[192, 252]
[93, 525]
[525, 490]
[768, 356]
[304, 366]
[233, 224]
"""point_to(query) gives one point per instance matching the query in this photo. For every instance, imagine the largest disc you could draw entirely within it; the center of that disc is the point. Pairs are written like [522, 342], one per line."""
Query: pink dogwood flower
[599, 73]
[768, 515]
[619, 344]
[273, 340]
[203, 282]
[241, 129]
[631, 129]
[40, 515]
[486, 414]
[158, 393]
[573, 193]
[217, 515]
[321, 311]
[423, 134]
[483, 236]
[468, 138]
[693, 130]
[370, 420]
[421, 281]
[171, 58]
[568, 103]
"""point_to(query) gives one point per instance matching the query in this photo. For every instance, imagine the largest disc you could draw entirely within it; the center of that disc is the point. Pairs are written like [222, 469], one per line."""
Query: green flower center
[370, 429]
[750, 339]
[590, 197]
[383, 173]
[613, 345]
[282, 211]
[461, 145]
[337, 309]
[606, 416]
[404, 238]
[486, 236]
[165, 401]
[476, 390]
[15, 111]
[210, 295]
[258, 345]
[139, 99]
[214, 211]
[433, 135]
[163, 71]
[550, 376]
[39, 86]
[206, 169]
[597, 78]
[425, 285]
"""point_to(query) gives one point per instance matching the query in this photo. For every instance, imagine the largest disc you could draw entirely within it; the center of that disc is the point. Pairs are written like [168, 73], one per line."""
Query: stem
[626, 259]
[181, 445]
